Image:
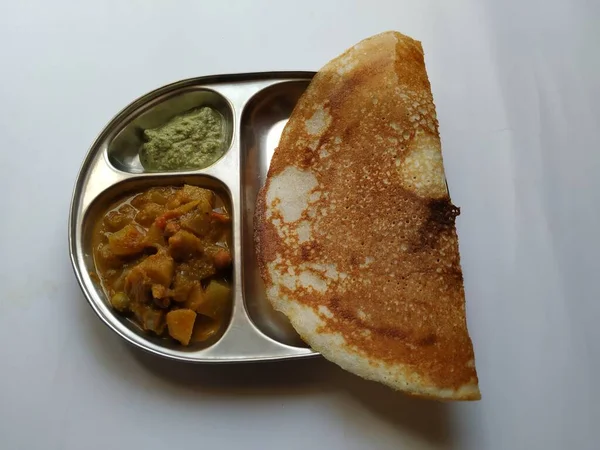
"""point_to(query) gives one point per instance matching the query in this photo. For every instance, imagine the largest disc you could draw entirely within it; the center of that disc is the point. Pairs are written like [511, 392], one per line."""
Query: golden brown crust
[354, 228]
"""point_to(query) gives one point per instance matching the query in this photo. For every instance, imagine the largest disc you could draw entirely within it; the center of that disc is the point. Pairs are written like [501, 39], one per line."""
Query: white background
[517, 88]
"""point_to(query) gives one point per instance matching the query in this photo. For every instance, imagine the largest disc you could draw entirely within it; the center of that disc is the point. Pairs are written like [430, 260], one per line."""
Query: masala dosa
[355, 231]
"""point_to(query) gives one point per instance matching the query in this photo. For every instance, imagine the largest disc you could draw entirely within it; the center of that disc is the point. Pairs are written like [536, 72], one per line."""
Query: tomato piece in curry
[163, 258]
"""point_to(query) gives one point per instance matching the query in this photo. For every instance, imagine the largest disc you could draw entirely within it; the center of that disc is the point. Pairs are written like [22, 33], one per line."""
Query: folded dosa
[355, 231]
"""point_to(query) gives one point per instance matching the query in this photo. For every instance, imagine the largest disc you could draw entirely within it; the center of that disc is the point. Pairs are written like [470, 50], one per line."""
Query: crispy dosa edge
[365, 263]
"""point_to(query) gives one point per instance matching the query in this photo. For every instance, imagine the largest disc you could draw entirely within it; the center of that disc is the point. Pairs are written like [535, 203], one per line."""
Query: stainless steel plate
[255, 107]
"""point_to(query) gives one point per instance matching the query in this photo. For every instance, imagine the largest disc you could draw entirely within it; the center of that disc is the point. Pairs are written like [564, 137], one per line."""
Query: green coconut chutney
[193, 140]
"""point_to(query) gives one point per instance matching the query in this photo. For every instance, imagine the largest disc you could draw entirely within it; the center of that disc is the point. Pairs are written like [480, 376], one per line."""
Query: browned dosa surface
[355, 231]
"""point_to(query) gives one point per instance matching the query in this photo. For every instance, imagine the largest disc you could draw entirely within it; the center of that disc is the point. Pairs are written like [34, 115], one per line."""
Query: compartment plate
[256, 107]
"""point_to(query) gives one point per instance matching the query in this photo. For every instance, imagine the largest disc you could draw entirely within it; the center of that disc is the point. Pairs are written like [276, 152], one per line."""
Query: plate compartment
[256, 107]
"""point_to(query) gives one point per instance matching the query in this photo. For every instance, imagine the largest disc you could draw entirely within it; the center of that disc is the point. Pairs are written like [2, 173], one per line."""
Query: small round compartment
[125, 327]
[159, 108]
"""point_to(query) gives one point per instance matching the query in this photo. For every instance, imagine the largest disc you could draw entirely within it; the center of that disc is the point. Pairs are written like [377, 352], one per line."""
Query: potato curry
[163, 258]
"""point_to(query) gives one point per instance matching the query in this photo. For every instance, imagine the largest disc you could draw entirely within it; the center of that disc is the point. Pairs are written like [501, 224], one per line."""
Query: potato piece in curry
[163, 259]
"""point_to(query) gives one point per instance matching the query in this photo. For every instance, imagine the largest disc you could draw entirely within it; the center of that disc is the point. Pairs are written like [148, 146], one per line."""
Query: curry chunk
[138, 286]
[195, 298]
[150, 318]
[159, 195]
[154, 270]
[222, 258]
[161, 296]
[171, 228]
[198, 193]
[198, 268]
[148, 214]
[211, 302]
[197, 221]
[155, 237]
[158, 268]
[154, 320]
[115, 220]
[120, 301]
[183, 284]
[216, 298]
[180, 323]
[191, 193]
[140, 200]
[174, 214]
[127, 241]
[184, 245]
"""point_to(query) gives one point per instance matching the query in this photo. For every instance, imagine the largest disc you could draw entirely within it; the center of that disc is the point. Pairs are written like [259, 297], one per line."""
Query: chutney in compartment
[163, 257]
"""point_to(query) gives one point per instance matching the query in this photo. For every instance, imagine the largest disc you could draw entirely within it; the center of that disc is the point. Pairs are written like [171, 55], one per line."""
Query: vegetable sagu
[164, 261]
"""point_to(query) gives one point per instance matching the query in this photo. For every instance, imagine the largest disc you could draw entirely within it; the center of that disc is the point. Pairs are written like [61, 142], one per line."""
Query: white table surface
[517, 91]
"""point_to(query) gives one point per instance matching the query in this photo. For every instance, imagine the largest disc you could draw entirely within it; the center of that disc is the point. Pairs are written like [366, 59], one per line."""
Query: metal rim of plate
[256, 106]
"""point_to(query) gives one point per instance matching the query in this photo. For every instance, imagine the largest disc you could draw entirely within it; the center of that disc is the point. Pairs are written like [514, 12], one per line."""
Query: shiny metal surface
[255, 108]
[263, 120]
